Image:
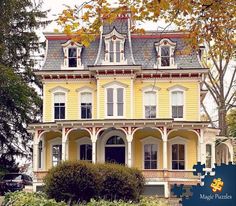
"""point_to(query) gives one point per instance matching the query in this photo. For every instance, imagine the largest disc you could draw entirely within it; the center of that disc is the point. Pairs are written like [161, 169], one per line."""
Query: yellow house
[127, 98]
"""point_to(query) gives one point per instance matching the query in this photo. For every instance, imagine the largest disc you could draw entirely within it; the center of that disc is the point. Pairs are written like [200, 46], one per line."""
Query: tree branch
[231, 84]
[212, 93]
[208, 116]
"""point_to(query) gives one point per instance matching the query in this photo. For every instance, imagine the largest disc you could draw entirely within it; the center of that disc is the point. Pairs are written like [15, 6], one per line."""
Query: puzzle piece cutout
[178, 190]
[199, 169]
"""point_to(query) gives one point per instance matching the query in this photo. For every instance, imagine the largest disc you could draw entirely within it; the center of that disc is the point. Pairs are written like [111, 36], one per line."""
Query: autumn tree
[211, 23]
[19, 101]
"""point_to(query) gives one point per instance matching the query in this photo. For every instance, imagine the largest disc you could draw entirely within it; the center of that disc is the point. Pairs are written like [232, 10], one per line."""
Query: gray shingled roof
[144, 51]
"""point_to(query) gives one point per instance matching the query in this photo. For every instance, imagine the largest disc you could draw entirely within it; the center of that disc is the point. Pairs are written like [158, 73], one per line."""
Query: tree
[211, 23]
[231, 120]
[19, 101]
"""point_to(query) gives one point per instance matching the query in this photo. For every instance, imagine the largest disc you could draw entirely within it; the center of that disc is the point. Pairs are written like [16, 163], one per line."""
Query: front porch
[163, 149]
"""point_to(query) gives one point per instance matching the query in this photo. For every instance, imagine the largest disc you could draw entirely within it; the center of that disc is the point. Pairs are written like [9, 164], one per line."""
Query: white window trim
[115, 86]
[177, 89]
[66, 46]
[85, 90]
[155, 141]
[178, 140]
[55, 91]
[107, 39]
[55, 141]
[163, 43]
[81, 141]
[151, 88]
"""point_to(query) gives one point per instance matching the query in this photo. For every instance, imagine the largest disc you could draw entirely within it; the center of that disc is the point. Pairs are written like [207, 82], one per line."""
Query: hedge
[21, 198]
[80, 181]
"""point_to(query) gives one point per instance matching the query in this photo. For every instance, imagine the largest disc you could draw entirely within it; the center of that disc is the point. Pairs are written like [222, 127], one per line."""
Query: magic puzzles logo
[216, 187]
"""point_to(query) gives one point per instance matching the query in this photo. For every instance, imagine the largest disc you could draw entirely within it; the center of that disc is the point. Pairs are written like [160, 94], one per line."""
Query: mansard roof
[138, 49]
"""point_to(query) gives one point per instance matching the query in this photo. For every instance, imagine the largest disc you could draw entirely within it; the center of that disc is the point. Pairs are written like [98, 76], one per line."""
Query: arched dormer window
[72, 55]
[165, 54]
[114, 48]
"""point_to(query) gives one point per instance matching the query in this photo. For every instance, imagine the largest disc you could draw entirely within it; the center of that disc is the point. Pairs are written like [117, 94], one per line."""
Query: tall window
[165, 56]
[86, 152]
[40, 153]
[208, 155]
[178, 156]
[86, 105]
[150, 104]
[150, 156]
[72, 57]
[114, 51]
[56, 154]
[177, 104]
[59, 106]
[115, 102]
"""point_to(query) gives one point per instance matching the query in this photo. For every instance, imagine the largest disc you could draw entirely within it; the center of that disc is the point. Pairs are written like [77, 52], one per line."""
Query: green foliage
[119, 182]
[145, 201]
[29, 199]
[80, 181]
[19, 102]
[231, 120]
[72, 181]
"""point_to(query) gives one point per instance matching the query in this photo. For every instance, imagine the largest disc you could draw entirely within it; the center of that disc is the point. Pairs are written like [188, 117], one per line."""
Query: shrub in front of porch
[120, 183]
[81, 181]
[72, 182]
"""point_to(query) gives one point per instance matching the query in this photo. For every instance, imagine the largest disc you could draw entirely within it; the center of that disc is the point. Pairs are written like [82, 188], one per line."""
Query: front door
[115, 154]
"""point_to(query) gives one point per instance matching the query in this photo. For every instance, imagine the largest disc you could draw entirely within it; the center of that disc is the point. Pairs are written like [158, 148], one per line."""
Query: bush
[21, 198]
[72, 181]
[120, 183]
[80, 181]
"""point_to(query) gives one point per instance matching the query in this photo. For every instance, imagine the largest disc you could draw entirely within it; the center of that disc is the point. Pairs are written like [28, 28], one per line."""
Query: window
[114, 48]
[40, 153]
[165, 56]
[114, 51]
[177, 104]
[115, 140]
[86, 152]
[72, 57]
[178, 156]
[56, 154]
[115, 102]
[150, 104]
[150, 156]
[208, 156]
[59, 106]
[86, 105]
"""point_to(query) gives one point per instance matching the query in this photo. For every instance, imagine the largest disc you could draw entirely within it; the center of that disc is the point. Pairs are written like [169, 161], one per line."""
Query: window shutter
[59, 98]
[86, 97]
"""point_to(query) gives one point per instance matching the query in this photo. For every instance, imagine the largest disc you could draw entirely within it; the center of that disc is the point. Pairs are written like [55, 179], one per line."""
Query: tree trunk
[222, 121]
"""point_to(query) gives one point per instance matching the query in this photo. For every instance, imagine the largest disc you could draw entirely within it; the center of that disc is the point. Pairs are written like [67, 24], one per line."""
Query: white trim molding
[112, 38]
[66, 46]
[171, 45]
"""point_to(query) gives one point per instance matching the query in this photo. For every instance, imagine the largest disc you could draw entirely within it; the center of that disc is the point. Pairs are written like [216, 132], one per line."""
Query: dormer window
[114, 48]
[72, 55]
[165, 54]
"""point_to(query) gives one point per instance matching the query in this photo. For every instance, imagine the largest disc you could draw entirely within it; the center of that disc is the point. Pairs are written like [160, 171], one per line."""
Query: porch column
[64, 147]
[94, 146]
[213, 154]
[35, 156]
[201, 148]
[129, 140]
[164, 138]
